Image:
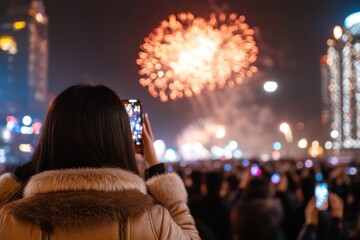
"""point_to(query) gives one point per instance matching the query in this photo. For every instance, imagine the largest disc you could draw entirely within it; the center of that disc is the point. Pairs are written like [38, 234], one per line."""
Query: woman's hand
[148, 143]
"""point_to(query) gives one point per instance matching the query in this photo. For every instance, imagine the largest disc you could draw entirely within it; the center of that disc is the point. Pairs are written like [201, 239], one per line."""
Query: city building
[23, 78]
[340, 69]
[23, 57]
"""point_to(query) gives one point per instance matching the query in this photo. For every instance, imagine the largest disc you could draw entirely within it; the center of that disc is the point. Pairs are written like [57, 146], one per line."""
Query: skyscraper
[23, 57]
[341, 74]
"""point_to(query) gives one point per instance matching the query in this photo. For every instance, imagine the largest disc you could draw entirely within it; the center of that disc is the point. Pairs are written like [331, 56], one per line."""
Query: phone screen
[134, 110]
[321, 196]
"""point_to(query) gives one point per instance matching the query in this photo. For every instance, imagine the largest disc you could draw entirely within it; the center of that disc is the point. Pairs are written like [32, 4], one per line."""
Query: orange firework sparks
[186, 54]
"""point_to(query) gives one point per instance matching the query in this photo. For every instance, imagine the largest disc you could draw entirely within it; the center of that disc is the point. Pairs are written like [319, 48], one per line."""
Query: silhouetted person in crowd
[194, 190]
[233, 194]
[258, 215]
[211, 209]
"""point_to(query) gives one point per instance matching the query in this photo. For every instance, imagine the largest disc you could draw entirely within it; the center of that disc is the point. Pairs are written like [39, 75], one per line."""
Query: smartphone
[134, 110]
[321, 196]
[275, 178]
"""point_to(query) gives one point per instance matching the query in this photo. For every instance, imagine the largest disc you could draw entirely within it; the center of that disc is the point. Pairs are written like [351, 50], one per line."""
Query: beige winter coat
[98, 204]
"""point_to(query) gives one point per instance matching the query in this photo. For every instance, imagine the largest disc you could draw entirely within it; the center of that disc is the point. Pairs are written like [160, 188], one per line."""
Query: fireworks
[186, 54]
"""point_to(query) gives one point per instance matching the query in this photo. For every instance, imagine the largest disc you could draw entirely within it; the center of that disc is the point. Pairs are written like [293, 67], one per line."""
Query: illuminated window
[19, 25]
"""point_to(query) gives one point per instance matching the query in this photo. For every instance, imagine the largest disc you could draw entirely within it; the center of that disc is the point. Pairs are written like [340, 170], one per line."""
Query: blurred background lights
[352, 19]
[245, 163]
[36, 126]
[270, 86]
[160, 148]
[276, 155]
[275, 178]
[277, 146]
[8, 44]
[227, 167]
[284, 127]
[337, 32]
[286, 130]
[228, 154]
[237, 154]
[39, 17]
[26, 130]
[188, 171]
[183, 163]
[344, 37]
[299, 165]
[302, 143]
[19, 25]
[2, 159]
[315, 144]
[264, 157]
[352, 171]
[26, 120]
[319, 176]
[315, 150]
[334, 134]
[27, 148]
[220, 132]
[6, 135]
[309, 163]
[255, 170]
[333, 160]
[232, 145]
[171, 155]
[217, 152]
[193, 151]
[328, 145]
[170, 168]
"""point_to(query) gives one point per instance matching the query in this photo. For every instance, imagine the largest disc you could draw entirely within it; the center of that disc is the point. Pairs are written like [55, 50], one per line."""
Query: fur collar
[81, 198]
[104, 179]
[8, 185]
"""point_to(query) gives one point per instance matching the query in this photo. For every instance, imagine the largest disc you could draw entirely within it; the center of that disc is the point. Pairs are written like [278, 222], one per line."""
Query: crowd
[245, 200]
[86, 180]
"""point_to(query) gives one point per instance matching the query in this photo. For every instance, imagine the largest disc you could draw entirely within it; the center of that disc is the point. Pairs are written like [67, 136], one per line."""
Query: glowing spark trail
[186, 54]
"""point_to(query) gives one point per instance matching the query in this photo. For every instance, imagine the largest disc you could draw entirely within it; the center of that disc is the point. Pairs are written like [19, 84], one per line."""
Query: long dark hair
[85, 126]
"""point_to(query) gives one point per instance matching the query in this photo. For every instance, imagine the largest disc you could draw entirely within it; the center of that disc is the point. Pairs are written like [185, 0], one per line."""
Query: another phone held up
[321, 196]
[134, 110]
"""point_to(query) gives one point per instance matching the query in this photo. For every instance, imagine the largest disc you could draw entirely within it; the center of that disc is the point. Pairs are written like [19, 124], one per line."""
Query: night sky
[98, 41]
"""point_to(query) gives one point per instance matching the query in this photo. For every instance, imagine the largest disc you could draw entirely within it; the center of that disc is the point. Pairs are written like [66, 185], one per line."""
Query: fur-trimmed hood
[8, 185]
[104, 180]
[103, 203]
[81, 198]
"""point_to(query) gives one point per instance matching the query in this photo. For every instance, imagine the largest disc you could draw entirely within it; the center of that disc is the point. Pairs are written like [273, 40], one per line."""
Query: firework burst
[186, 54]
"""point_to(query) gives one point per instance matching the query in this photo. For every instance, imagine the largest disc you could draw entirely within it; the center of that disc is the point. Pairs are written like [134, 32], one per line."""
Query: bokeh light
[302, 143]
[270, 86]
[186, 54]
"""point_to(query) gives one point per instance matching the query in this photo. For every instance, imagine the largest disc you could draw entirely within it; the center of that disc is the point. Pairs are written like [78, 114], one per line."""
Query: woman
[85, 182]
